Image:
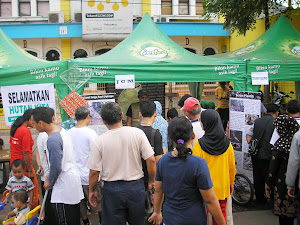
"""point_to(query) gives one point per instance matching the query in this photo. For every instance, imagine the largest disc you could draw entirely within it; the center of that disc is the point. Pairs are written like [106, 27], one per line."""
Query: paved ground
[241, 216]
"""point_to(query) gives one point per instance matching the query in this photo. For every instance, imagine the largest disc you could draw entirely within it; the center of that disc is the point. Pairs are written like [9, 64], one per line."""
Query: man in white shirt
[117, 154]
[83, 139]
[192, 109]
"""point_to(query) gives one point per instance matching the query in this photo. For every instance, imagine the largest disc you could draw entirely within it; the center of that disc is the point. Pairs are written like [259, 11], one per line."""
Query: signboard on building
[17, 99]
[107, 18]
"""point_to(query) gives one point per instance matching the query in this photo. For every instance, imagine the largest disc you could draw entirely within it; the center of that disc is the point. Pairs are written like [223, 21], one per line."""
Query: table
[4, 158]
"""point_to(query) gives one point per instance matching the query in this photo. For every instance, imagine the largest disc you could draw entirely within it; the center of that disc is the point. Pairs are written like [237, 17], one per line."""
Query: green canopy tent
[153, 57]
[277, 52]
[18, 67]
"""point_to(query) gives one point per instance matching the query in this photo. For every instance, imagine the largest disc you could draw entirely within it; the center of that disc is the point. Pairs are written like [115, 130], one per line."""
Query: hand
[156, 218]
[31, 175]
[94, 198]
[267, 192]
[291, 192]
[151, 186]
[40, 171]
[47, 184]
[231, 189]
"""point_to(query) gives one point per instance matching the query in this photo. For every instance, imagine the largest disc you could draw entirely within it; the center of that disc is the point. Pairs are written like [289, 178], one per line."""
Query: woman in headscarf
[161, 124]
[218, 152]
[284, 206]
[182, 182]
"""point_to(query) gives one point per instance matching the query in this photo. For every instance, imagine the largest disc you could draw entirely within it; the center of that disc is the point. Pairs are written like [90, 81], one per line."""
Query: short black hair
[147, 108]
[44, 114]
[142, 92]
[172, 113]
[81, 113]
[16, 163]
[272, 108]
[21, 195]
[183, 98]
[111, 113]
[293, 107]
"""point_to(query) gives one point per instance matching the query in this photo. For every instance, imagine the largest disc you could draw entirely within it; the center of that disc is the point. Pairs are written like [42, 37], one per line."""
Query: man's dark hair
[183, 98]
[272, 108]
[111, 113]
[293, 107]
[142, 92]
[172, 113]
[147, 108]
[44, 114]
[18, 162]
[21, 195]
[81, 113]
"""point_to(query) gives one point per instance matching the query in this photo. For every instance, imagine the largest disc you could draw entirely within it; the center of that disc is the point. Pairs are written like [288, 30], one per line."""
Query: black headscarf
[214, 141]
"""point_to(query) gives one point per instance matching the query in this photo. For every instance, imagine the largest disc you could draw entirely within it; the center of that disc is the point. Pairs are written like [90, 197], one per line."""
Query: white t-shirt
[118, 152]
[82, 140]
[44, 154]
[199, 132]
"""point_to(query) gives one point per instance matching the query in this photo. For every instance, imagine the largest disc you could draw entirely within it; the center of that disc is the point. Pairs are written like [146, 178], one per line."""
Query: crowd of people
[151, 171]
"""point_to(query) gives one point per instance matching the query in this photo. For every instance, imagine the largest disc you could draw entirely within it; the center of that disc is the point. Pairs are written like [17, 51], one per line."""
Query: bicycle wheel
[243, 190]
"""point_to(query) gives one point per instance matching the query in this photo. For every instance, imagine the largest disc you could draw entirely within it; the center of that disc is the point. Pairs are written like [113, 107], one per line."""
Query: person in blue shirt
[185, 182]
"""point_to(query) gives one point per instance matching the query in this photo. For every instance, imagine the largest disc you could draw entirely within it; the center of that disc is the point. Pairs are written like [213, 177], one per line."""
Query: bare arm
[151, 167]
[156, 217]
[31, 198]
[28, 164]
[213, 205]
[248, 138]
[157, 158]
[93, 178]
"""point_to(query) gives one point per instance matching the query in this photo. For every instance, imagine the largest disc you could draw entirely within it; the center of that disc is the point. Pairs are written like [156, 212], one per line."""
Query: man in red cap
[192, 110]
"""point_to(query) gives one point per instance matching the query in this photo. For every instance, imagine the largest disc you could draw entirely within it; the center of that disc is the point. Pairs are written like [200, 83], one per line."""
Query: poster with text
[245, 108]
[95, 102]
[17, 99]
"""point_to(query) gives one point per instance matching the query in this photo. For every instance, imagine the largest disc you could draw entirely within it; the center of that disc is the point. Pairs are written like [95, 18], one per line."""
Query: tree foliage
[241, 15]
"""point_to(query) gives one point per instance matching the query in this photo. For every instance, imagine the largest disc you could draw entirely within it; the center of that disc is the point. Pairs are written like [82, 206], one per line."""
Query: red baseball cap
[190, 104]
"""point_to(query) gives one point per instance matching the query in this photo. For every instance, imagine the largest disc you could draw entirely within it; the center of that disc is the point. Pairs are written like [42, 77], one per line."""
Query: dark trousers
[49, 214]
[67, 214]
[123, 201]
[260, 173]
[224, 114]
[283, 220]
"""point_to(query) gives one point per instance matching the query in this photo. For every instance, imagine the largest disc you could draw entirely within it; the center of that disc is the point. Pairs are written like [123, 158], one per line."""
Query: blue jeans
[123, 201]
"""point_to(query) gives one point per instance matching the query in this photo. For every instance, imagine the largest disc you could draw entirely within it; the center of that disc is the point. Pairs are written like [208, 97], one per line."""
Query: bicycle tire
[243, 190]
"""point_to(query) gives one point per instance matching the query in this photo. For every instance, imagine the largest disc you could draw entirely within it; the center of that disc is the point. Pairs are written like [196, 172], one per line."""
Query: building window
[52, 55]
[32, 53]
[80, 53]
[43, 7]
[183, 7]
[199, 7]
[209, 51]
[166, 7]
[24, 8]
[102, 51]
[5, 8]
[101, 87]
